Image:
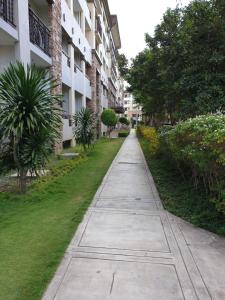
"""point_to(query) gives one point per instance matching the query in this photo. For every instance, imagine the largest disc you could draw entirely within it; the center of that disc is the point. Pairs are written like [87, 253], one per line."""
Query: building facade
[77, 40]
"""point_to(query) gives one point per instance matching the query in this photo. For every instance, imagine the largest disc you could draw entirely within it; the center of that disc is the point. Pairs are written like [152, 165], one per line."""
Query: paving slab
[129, 248]
[121, 203]
[93, 279]
[122, 190]
[208, 250]
[125, 231]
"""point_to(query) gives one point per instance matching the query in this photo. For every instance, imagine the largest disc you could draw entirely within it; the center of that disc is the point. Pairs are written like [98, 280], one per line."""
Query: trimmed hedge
[123, 134]
[109, 117]
[124, 121]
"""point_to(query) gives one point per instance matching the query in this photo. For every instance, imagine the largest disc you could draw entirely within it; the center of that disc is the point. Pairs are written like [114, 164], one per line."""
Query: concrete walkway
[129, 248]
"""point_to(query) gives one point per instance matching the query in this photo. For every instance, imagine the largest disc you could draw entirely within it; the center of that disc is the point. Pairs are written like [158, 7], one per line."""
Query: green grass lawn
[180, 198]
[36, 228]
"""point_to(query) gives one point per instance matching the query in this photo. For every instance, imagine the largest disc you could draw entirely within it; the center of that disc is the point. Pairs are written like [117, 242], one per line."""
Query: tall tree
[203, 77]
[181, 73]
[122, 65]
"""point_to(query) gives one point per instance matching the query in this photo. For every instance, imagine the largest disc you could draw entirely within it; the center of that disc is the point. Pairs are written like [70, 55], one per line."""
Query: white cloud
[138, 17]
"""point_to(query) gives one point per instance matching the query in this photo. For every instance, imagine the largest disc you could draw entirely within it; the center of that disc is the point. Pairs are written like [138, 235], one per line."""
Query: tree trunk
[21, 171]
[109, 130]
[22, 180]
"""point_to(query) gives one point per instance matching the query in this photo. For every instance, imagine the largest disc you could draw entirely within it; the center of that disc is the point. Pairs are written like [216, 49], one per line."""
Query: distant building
[133, 111]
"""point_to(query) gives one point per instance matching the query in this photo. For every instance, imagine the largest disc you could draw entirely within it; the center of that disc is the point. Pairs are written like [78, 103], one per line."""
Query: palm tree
[29, 117]
[85, 125]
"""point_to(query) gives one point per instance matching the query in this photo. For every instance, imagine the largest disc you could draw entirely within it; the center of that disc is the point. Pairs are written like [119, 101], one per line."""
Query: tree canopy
[109, 119]
[122, 65]
[181, 74]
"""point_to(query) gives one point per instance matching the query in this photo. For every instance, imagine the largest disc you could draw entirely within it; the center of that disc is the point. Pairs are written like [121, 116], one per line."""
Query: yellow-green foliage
[150, 134]
[63, 167]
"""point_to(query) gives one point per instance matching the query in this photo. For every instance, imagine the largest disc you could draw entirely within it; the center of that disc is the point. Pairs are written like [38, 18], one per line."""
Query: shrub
[85, 125]
[62, 168]
[198, 145]
[138, 131]
[109, 119]
[163, 140]
[30, 118]
[150, 134]
[124, 121]
[122, 134]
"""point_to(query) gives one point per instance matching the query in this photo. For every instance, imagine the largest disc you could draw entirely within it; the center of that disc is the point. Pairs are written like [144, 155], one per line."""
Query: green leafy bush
[109, 119]
[124, 121]
[198, 146]
[122, 134]
[178, 195]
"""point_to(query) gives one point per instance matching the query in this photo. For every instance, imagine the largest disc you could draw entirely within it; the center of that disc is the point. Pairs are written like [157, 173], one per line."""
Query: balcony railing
[39, 33]
[7, 11]
[99, 26]
[67, 116]
[114, 69]
[68, 61]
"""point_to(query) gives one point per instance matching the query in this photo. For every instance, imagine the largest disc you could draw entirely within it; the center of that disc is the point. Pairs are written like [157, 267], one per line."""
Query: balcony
[114, 69]
[88, 88]
[98, 31]
[7, 11]
[67, 128]
[118, 109]
[66, 69]
[67, 116]
[39, 33]
[79, 80]
[67, 58]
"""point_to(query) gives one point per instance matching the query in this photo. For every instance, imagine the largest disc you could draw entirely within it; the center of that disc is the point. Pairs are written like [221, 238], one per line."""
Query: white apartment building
[24, 32]
[105, 42]
[133, 111]
[76, 61]
[78, 41]
[29, 33]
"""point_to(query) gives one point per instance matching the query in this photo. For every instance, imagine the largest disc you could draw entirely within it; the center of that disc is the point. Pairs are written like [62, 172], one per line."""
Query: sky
[137, 18]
